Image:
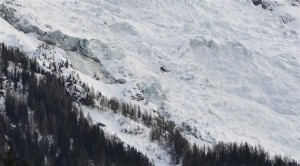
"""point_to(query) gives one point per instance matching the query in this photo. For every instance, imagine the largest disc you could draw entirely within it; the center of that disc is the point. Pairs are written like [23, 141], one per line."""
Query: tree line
[182, 152]
[40, 124]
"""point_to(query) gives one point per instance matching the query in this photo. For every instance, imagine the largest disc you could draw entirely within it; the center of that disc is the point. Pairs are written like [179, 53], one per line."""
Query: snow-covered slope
[233, 69]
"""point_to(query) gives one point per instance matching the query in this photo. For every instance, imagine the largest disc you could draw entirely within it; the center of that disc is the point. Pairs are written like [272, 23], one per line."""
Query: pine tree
[10, 159]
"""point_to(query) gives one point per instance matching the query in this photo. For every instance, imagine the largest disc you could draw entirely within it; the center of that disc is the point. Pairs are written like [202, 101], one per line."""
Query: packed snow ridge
[221, 70]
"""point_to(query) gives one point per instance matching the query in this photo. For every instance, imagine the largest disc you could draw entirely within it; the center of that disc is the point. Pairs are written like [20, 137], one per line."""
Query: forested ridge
[41, 123]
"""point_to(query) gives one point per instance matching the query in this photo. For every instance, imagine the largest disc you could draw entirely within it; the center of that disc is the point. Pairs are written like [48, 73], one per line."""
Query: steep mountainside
[221, 70]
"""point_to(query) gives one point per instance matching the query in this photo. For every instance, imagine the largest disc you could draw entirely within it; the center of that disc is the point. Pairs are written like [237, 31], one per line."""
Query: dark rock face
[264, 3]
[295, 2]
[164, 69]
[23, 25]
[64, 41]
[68, 43]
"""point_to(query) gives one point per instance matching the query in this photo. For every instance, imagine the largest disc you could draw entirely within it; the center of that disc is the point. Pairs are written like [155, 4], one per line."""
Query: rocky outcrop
[57, 38]
[264, 3]
[23, 25]
[68, 43]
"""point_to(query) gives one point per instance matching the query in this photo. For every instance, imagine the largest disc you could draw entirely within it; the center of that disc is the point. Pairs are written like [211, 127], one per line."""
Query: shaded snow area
[222, 70]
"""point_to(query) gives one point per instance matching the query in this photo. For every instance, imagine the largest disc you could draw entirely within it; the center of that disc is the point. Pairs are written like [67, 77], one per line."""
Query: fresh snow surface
[234, 68]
